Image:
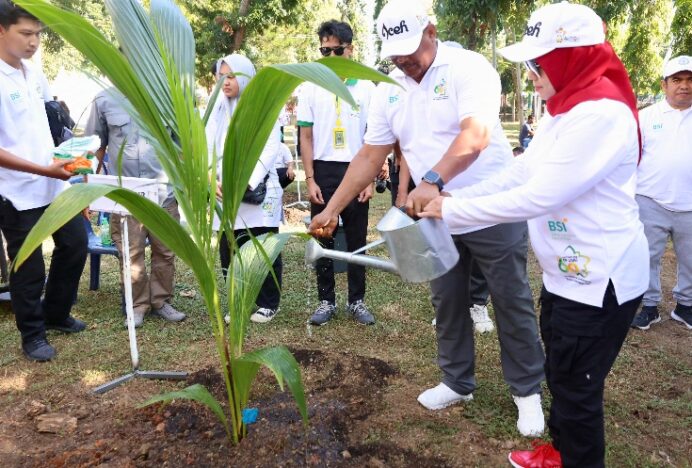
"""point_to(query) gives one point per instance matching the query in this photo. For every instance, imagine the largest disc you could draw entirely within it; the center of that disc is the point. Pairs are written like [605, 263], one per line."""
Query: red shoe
[542, 456]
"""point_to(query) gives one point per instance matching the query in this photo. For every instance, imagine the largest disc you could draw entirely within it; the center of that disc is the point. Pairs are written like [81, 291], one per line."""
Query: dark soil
[343, 392]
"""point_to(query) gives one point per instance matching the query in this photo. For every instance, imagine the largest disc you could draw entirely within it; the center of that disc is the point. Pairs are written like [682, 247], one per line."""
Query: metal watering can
[420, 250]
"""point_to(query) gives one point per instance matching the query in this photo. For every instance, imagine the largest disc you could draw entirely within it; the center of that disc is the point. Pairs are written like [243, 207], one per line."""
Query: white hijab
[220, 117]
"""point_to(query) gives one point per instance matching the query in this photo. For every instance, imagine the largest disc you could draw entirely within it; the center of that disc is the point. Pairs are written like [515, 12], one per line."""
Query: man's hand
[384, 172]
[401, 197]
[57, 170]
[323, 225]
[290, 173]
[419, 197]
[219, 192]
[314, 192]
[366, 194]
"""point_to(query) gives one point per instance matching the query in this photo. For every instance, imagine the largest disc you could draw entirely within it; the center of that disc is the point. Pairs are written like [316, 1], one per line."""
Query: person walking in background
[445, 115]
[285, 166]
[261, 218]
[585, 229]
[664, 190]
[526, 132]
[331, 133]
[29, 182]
[151, 292]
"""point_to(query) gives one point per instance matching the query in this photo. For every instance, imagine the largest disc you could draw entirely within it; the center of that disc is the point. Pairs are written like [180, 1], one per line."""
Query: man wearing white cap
[444, 113]
[575, 184]
[664, 190]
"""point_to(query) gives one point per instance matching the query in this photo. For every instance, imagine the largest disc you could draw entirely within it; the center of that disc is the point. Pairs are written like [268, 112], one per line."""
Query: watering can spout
[314, 251]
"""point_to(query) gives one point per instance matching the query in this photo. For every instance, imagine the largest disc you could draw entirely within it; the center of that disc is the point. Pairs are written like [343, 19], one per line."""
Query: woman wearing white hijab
[258, 219]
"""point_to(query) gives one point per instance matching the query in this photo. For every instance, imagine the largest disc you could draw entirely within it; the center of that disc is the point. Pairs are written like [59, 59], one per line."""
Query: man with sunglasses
[445, 116]
[331, 133]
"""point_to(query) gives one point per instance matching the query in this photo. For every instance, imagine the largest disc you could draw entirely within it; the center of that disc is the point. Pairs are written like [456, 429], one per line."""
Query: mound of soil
[343, 391]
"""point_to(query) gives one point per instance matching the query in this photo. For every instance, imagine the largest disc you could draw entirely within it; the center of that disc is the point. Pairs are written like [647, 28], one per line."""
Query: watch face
[434, 178]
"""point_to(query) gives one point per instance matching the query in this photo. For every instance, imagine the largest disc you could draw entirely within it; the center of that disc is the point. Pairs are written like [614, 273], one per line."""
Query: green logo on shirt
[15, 96]
[573, 262]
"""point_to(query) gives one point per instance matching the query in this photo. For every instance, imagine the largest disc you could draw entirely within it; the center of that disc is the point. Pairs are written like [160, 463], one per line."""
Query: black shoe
[648, 316]
[38, 350]
[70, 325]
[682, 314]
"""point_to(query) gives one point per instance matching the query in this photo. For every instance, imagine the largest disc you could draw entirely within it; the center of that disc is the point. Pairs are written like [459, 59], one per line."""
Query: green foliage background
[283, 31]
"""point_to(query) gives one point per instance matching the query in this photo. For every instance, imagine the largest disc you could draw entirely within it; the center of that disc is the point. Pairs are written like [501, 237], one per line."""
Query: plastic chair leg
[95, 270]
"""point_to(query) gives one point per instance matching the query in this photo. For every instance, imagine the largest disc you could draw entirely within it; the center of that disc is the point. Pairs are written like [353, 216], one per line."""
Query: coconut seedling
[153, 67]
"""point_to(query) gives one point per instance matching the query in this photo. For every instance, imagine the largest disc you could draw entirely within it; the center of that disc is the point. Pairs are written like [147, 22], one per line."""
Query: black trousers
[581, 344]
[328, 175]
[270, 294]
[26, 284]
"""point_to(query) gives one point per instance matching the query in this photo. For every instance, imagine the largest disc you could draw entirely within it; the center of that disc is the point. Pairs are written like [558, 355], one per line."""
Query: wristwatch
[434, 178]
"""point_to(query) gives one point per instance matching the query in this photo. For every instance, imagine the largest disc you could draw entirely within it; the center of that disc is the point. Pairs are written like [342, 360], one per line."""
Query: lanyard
[338, 112]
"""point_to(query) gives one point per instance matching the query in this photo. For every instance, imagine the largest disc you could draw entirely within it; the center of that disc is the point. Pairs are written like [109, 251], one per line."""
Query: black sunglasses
[338, 50]
[533, 66]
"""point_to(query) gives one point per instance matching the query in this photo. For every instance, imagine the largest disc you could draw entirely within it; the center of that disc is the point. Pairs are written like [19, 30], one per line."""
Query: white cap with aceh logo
[676, 65]
[555, 26]
[400, 27]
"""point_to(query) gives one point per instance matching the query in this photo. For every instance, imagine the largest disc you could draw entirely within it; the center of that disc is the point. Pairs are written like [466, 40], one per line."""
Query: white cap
[677, 64]
[556, 26]
[400, 27]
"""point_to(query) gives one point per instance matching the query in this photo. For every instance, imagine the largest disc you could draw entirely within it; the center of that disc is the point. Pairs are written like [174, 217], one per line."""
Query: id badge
[339, 139]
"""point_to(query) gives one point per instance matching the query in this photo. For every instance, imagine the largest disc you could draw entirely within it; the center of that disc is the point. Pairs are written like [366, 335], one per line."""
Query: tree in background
[222, 27]
[57, 54]
[299, 43]
[646, 44]
[681, 29]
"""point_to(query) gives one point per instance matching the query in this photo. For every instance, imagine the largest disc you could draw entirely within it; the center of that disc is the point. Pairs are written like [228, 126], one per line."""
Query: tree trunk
[519, 88]
[240, 30]
[493, 41]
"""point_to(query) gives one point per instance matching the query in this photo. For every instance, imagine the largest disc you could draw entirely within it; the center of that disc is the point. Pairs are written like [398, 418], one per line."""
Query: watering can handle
[368, 246]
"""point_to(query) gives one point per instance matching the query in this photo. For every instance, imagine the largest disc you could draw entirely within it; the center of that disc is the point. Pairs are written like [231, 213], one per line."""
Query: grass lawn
[648, 395]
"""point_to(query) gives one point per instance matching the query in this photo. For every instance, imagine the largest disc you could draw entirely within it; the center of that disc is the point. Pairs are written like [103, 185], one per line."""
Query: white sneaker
[531, 422]
[481, 321]
[263, 315]
[139, 319]
[441, 397]
[168, 313]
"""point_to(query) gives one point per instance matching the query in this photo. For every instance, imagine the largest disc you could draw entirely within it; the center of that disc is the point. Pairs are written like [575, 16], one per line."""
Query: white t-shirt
[268, 213]
[25, 133]
[283, 156]
[425, 116]
[320, 109]
[575, 185]
[665, 172]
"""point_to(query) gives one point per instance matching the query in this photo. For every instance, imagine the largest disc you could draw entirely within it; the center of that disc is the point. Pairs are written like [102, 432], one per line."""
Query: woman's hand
[434, 208]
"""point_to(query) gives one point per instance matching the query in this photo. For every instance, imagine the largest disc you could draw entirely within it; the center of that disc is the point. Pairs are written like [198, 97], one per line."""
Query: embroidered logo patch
[394, 31]
[575, 265]
[440, 90]
[534, 30]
